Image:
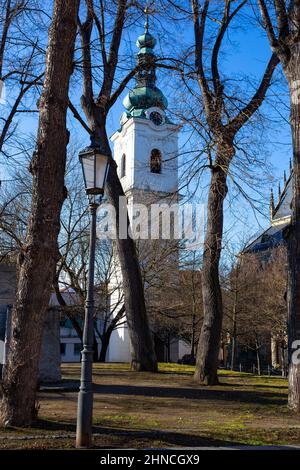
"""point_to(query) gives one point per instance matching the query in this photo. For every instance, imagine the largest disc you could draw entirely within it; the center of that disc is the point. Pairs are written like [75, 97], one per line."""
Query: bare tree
[20, 73]
[96, 108]
[254, 303]
[72, 270]
[39, 255]
[281, 20]
[224, 117]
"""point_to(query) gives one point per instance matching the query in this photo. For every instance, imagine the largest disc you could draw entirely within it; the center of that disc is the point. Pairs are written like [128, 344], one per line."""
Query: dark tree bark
[294, 240]
[39, 255]
[104, 346]
[285, 43]
[105, 336]
[257, 352]
[222, 132]
[209, 342]
[234, 321]
[96, 110]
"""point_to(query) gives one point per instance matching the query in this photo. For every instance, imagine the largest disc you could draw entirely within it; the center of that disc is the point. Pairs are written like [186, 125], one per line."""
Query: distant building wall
[183, 348]
[50, 354]
[119, 346]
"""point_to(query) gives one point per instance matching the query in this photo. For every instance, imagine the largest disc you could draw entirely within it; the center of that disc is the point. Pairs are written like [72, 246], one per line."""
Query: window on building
[63, 348]
[123, 165]
[155, 161]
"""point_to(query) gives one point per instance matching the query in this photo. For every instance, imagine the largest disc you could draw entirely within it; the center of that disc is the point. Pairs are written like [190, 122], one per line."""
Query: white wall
[119, 346]
[136, 140]
[183, 348]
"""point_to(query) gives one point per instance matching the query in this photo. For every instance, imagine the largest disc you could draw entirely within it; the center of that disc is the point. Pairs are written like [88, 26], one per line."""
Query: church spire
[147, 12]
[145, 94]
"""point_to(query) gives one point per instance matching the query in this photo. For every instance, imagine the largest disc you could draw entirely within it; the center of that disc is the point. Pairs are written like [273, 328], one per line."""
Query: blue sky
[246, 54]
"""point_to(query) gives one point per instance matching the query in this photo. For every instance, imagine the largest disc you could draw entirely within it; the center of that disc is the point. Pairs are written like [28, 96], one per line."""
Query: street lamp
[95, 166]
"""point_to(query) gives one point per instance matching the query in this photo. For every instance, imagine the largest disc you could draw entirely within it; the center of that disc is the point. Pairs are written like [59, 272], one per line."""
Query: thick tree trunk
[104, 345]
[39, 256]
[294, 235]
[143, 353]
[210, 336]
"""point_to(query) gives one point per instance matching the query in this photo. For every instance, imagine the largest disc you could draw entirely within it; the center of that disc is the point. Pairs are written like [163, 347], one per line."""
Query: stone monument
[49, 368]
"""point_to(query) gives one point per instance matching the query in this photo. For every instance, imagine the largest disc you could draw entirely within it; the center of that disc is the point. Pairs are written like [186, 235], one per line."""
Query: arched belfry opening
[155, 161]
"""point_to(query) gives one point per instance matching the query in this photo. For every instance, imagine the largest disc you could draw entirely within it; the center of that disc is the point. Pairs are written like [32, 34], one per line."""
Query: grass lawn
[164, 410]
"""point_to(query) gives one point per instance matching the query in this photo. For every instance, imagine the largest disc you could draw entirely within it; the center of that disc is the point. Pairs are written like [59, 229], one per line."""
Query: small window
[123, 165]
[155, 161]
[63, 349]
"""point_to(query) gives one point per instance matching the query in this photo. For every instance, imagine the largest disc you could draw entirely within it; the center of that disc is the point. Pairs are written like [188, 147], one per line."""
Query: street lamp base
[84, 420]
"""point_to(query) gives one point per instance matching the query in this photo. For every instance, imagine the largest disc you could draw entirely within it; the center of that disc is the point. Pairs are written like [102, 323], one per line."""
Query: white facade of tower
[146, 151]
[136, 140]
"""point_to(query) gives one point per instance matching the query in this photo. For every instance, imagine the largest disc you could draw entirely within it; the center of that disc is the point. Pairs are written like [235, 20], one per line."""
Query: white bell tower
[146, 151]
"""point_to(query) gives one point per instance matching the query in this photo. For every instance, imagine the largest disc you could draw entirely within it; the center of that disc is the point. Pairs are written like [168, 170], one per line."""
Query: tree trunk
[37, 261]
[193, 336]
[257, 359]
[65, 310]
[233, 352]
[104, 345]
[294, 235]
[95, 348]
[143, 353]
[274, 351]
[210, 336]
[233, 338]
[234, 319]
[282, 360]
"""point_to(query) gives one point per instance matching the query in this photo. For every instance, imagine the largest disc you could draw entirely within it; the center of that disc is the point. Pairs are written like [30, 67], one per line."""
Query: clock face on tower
[156, 118]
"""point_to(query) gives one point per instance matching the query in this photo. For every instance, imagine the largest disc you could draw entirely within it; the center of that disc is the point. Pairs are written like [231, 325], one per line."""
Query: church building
[280, 219]
[146, 151]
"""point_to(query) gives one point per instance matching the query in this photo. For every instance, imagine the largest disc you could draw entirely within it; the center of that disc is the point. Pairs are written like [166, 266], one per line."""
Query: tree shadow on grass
[279, 387]
[166, 437]
[263, 397]
[245, 396]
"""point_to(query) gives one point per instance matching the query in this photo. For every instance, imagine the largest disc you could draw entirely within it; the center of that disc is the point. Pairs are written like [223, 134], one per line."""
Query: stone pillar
[49, 367]
[7, 297]
[50, 355]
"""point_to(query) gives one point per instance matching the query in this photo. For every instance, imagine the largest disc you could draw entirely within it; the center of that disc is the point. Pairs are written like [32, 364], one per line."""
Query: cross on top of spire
[148, 11]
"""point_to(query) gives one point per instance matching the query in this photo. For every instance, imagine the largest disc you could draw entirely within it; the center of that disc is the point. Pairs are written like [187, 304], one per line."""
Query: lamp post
[95, 166]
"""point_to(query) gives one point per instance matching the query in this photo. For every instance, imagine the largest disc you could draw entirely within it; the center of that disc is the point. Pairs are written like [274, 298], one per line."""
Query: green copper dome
[145, 94]
[144, 98]
[146, 40]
